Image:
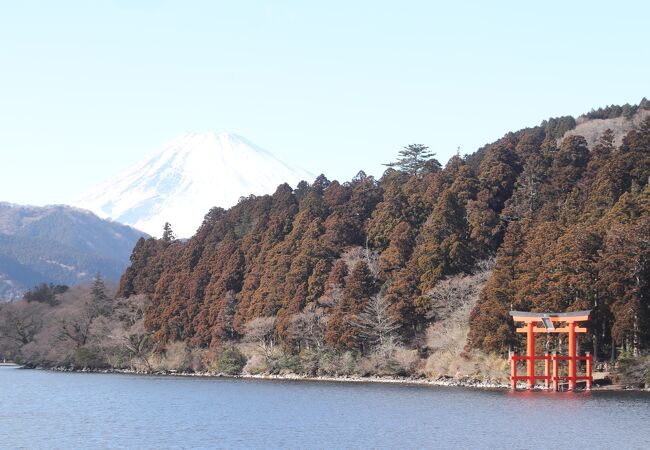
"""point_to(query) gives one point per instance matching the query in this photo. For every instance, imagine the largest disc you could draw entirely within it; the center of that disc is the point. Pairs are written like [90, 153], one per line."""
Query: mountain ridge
[58, 244]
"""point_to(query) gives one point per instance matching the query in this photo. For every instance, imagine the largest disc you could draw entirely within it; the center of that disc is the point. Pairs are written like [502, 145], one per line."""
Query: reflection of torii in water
[545, 323]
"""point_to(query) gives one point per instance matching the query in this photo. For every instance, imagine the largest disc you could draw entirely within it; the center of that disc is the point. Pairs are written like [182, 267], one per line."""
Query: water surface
[41, 409]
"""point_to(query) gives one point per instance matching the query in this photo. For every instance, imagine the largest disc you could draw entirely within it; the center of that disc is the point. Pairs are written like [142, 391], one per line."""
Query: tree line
[568, 226]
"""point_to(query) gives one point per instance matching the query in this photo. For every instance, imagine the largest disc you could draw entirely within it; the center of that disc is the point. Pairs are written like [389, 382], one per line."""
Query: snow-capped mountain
[185, 178]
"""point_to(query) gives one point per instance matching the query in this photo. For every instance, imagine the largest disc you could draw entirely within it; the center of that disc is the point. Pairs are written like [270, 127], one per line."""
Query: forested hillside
[568, 224]
[58, 244]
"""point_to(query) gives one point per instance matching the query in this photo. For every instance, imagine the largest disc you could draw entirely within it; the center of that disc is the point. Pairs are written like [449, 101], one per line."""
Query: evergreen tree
[625, 278]
[416, 159]
[491, 328]
[337, 275]
[45, 293]
[100, 301]
[399, 250]
[359, 288]
[446, 248]
[361, 284]
[168, 234]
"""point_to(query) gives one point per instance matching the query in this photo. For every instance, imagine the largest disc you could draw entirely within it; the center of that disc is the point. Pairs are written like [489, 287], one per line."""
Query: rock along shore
[441, 381]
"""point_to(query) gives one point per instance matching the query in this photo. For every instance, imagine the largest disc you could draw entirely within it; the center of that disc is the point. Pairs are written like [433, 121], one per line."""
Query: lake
[41, 409]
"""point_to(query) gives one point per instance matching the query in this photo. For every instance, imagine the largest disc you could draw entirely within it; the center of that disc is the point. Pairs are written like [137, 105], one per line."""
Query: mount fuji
[185, 178]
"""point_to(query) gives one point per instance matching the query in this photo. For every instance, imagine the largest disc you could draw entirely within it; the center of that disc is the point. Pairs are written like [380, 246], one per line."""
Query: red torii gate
[547, 322]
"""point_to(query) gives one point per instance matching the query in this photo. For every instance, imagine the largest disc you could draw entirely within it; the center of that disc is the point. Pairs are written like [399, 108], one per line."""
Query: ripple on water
[40, 409]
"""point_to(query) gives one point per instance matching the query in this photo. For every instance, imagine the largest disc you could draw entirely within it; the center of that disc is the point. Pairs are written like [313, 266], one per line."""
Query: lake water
[40, 409]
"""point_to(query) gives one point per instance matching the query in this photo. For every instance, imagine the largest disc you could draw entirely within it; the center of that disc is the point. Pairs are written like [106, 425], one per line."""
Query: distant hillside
[58, 244]
[593, 129]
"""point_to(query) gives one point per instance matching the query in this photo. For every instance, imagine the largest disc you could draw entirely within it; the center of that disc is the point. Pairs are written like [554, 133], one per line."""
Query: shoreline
[442, 381]
[438, 382]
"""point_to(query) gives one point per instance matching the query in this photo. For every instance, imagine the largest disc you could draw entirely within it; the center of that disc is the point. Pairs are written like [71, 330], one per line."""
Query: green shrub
[229, 361]
[88, 358]
[332, 363]
[310, 361]
[634, 371]
[287, 363]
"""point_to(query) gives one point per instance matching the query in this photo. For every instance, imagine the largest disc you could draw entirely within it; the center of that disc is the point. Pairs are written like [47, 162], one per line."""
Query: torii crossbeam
[546, 323]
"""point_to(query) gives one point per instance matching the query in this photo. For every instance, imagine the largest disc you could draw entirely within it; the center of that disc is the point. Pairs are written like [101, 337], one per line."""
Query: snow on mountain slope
[185, 178]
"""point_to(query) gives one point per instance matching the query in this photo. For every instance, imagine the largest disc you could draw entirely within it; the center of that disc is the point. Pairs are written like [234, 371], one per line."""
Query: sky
[89, 87]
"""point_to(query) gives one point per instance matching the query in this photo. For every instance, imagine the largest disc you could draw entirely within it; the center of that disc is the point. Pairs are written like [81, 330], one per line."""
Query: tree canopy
[568, 225]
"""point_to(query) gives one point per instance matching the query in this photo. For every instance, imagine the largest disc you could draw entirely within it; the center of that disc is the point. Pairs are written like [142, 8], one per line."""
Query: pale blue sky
[89, 87]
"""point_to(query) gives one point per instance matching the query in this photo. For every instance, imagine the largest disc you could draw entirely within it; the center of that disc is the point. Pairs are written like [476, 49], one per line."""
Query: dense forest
[422, 258]
[569, 227]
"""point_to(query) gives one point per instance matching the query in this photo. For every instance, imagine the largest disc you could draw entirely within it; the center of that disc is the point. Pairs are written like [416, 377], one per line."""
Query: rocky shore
[441, 381]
